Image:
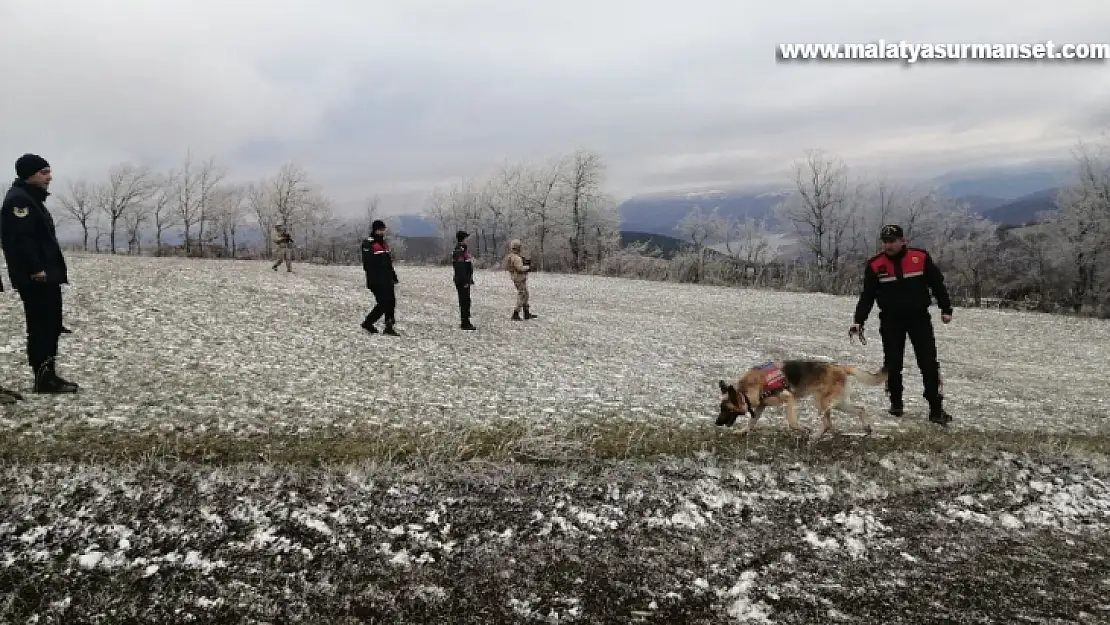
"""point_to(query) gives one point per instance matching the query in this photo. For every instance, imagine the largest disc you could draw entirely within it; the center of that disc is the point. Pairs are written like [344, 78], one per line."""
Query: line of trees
[834, 216]
[196, 203]
[560, 208]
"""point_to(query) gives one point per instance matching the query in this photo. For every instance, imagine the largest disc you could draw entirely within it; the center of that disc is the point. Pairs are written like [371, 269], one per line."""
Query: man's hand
[40, 276]
[946, 318]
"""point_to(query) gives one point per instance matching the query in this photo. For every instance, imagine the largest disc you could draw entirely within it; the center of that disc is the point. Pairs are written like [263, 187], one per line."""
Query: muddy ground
[906, 538]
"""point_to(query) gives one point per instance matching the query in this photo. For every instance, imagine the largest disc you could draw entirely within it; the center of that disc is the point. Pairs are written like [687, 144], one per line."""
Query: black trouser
[919, 328]
[464, 301]
[385, 303]
[42, 305]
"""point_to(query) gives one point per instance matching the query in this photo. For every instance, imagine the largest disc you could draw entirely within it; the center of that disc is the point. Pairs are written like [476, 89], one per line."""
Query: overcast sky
[395, 97]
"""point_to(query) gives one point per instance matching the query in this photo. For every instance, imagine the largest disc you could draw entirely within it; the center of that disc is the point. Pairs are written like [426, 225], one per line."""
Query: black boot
[465, 325]
[937, 413]
[369, 327]
[46, 381]
[893, 388]
[60, 379]
[8, 396]
[389, 331]
[516, 316]
[528, 314]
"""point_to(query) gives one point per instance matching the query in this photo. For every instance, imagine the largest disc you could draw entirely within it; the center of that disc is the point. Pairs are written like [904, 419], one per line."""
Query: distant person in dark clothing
[464, 277]
[903, 280]
[36, 268]
[377, 262]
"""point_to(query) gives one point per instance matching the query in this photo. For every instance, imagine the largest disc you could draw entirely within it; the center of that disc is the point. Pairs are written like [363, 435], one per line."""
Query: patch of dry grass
[575, 442]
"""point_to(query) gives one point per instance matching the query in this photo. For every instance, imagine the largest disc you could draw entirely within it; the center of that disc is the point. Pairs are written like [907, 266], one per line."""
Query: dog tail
[868, 378]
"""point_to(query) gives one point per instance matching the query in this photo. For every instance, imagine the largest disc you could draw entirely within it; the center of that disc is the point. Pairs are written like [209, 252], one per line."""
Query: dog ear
[733, 396]
[724, 387]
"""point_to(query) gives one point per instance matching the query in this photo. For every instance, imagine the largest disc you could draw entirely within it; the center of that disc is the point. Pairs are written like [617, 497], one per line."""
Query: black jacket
[377, 262]
[901, 285]
[28, 236]
[464, 266]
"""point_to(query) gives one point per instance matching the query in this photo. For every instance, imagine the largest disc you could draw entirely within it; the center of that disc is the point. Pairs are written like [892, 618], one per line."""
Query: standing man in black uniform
[36, 267]
[900, 279]
[377, 262]
[464, 277]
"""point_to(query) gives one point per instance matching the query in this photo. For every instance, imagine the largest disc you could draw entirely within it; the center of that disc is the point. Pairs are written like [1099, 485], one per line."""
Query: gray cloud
[393, 98]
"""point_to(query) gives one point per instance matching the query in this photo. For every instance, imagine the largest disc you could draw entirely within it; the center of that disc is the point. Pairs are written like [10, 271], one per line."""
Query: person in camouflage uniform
[519, 267]
[283, 243]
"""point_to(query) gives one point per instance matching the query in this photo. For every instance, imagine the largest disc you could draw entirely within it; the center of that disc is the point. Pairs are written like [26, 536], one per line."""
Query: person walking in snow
[377, 262]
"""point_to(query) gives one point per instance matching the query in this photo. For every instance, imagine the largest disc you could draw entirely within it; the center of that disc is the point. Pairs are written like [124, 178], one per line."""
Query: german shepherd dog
[780, 383]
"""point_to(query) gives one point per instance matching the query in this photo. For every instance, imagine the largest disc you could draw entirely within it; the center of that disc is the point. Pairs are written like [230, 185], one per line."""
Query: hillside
[981, 203]
[1025, 209]
[242, 452]
[660, 214]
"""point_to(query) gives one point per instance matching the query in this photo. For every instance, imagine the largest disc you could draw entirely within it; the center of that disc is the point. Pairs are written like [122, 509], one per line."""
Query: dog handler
[900, 279]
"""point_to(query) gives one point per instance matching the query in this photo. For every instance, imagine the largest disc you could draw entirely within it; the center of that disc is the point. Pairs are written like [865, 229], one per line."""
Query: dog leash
[853, 333]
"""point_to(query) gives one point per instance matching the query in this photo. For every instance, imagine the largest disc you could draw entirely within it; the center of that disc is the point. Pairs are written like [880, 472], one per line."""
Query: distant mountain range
[1006, 198]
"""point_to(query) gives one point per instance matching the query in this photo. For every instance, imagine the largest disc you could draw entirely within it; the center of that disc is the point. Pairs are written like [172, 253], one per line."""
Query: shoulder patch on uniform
[21, 211]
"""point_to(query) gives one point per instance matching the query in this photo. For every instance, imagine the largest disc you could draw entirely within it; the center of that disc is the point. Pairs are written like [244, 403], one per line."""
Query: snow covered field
[231, 458]
[238, 349]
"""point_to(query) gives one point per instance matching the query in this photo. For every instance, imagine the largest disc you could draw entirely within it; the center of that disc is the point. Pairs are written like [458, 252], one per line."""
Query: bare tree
[744, 240]
[539, 201]
[163, 208]
[133, 221]
[1083, 224]
[290, 192]
[208, 180]
[437, 208]
[372, 211]
[127, 187]
[698, 226]
[259, 204]
[583, 178]
[319, 223]
[821, 208]
[187, 198]
[969, 250]
[81, 203]
[228, 210]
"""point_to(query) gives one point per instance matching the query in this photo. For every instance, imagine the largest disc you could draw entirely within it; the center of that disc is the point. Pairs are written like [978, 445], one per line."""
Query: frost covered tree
[1082, 225]
[821, 209]
[127, 188]
[80, 202]
[699, 226]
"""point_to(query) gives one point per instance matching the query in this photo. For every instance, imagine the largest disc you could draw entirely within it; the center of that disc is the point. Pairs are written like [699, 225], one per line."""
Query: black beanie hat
[28, 165]
[377, 225]
[461, 235]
